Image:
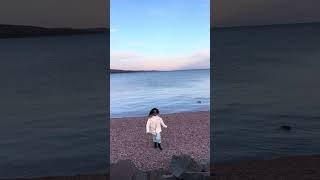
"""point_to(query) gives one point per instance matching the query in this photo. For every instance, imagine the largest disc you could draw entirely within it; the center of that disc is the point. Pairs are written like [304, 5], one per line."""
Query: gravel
[187, 133]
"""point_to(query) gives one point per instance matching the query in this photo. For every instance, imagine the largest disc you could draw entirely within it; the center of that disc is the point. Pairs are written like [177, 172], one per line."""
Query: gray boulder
[140, 176]
[285, 127]
[210, 178]
[168, 177]
[194, 176]
[123, 170]
[183, 163]
[157, 174]
[205, 165]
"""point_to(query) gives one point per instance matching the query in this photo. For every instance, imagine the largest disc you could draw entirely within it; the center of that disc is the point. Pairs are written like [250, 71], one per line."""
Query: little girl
[153, 126]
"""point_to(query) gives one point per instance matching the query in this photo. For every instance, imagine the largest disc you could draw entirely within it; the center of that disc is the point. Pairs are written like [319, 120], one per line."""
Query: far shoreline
[8, 31]
[119, 71]
[161, 114]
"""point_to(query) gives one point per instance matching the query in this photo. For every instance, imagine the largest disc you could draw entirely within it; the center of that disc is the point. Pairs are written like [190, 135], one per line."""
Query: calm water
[53, 106]
[134, 94]
[264, 78]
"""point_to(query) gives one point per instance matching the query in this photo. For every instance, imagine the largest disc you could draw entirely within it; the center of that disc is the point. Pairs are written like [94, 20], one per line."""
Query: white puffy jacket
[154, 124]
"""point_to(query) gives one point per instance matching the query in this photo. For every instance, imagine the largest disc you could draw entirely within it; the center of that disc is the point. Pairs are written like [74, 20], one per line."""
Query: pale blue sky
[160, 35]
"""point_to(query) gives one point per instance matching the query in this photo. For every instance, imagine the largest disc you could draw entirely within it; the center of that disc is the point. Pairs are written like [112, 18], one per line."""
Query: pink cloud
[134, 61]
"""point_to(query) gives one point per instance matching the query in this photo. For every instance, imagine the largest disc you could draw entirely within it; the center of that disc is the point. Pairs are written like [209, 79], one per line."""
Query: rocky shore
[184, 167]
[187, 133]
[181, 167]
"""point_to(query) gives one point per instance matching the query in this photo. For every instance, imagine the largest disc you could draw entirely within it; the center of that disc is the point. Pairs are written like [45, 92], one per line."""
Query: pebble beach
[187, 133]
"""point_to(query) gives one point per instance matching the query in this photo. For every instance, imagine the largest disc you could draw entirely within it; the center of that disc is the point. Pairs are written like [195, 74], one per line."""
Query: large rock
[194, 176]
[157, 174]
[205, 165]
[168, 177]
[285, 127]
[210, 178]
[123, 170]
[183, 163]
[140, 176]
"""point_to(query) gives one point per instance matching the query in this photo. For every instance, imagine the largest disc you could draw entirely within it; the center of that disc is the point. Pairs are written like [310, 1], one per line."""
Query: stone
[123, 170]
[194, 176]
[183, 163]
[169, 177]
[140, 176]
[285, 127]
[210, 178]
[156, 174]
[205, 165]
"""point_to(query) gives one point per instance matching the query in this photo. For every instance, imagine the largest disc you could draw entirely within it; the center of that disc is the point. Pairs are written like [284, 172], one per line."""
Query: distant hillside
[131, 71]
[17, 31]
[119, 71]
[124, 71]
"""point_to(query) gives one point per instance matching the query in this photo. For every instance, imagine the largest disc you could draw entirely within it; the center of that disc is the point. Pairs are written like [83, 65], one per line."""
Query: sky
[160, 35]
[226, 13]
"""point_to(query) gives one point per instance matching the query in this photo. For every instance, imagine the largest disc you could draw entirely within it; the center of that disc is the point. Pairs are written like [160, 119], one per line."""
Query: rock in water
[183, 163]
[199, 102]
[123, 169]
[285, 127]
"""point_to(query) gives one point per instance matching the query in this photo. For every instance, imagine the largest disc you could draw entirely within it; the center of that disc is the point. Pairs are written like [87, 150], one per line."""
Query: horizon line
[211, 27]
[158, 70]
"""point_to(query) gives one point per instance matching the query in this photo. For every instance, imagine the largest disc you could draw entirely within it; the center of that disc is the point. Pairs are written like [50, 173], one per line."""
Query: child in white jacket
[153, 126]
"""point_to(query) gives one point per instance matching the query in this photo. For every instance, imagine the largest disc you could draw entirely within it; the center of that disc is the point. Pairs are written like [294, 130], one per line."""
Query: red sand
[187, 133]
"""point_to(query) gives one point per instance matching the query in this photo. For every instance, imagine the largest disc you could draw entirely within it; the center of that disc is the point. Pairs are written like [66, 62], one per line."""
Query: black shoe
[155, 145]
[159, 145]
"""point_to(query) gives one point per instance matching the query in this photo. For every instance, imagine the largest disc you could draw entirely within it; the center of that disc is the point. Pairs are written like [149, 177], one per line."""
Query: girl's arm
[162, 123]
[147, 126]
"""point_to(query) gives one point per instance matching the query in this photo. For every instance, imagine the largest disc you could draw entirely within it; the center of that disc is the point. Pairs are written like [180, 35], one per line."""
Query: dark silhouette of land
[129, 71]
[20, 31]
[135, 71]
[122, 71]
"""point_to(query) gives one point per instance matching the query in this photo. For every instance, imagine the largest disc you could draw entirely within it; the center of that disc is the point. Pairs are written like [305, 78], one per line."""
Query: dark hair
[154, 112]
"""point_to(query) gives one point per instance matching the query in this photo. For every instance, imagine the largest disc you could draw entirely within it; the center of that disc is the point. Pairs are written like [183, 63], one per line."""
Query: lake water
[264, 78]
[53, 105]
[135, 94]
